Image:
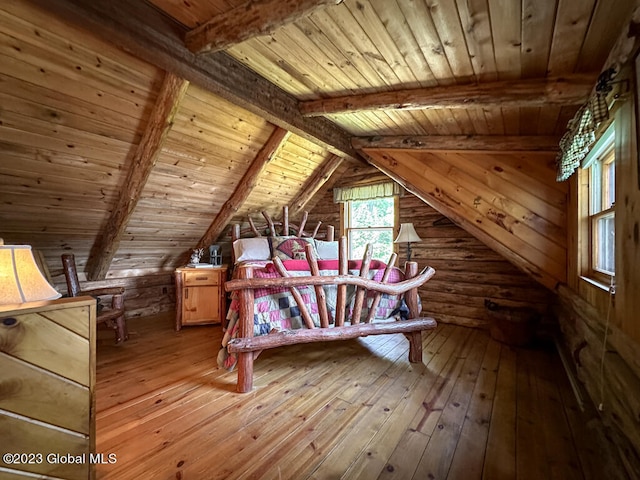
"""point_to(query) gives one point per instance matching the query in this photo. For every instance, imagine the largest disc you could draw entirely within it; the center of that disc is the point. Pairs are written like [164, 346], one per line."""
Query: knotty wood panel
[38, 394]
[33, 437]
[75, 109]
[193, 178]
[47, 405]
[34, 339]
[477, 201]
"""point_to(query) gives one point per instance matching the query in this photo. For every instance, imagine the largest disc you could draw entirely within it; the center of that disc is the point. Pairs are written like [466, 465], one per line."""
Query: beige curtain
[366, 192]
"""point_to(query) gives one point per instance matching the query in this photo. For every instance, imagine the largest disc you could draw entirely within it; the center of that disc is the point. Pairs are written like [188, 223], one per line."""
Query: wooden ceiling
[370, 47]
[88, 151]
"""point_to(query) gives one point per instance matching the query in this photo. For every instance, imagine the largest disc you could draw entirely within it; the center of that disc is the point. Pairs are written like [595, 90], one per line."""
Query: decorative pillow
[246, 249]
[290, 248]
[326, 250]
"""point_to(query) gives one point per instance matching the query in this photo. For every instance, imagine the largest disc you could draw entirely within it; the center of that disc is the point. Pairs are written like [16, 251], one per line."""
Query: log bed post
[411, 299]
[245, 330]
[330, 233]
[341, 301]
[235, 235]
[285, 220]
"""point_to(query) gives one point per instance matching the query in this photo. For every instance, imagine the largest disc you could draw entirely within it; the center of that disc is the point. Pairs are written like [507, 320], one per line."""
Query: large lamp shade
[20, 279]
[408, 235]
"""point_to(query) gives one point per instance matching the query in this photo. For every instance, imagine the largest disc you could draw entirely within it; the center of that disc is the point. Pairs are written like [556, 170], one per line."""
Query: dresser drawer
[192, 279]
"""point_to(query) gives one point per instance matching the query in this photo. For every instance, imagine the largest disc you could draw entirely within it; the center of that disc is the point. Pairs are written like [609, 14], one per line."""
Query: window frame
[348, 228]
[596, 205]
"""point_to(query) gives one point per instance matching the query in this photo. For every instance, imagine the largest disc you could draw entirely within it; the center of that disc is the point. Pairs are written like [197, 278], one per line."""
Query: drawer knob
[9, 322]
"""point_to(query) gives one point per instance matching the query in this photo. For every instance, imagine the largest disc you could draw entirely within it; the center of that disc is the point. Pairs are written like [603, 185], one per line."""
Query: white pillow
[327, 250]
[246, 249]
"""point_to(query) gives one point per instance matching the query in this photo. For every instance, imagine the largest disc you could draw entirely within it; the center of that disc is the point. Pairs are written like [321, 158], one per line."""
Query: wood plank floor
[353, 410]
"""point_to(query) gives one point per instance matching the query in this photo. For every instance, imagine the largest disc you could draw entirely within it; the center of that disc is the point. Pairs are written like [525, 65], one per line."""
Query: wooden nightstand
[200, 296]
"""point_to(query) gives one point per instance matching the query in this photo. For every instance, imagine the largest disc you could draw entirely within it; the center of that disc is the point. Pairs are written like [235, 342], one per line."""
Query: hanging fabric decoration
[581, 134]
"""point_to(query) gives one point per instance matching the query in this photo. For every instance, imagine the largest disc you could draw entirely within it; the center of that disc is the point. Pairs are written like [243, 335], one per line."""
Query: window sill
[600, 285]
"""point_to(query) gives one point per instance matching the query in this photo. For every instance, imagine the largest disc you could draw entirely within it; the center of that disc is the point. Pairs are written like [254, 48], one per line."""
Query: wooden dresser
[47, 381]
[200, 296]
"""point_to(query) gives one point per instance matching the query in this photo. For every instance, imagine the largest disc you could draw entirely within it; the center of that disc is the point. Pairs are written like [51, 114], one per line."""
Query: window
[370, 221]
[600, 165]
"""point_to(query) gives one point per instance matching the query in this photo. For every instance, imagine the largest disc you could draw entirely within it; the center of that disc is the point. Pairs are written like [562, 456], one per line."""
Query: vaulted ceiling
[132, 130]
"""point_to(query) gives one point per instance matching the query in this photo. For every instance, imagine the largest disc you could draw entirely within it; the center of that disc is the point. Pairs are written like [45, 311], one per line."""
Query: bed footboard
[247, 347]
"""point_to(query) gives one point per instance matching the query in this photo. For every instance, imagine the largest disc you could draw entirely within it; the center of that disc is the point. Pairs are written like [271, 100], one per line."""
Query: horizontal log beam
[486, 143]
[389, 288]
[568, 90]
[292, 337]
[144, 31]
[249, 20]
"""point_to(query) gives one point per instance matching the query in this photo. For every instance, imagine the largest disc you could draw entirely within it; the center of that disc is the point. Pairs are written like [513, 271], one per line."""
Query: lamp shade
[20, 279]
[407, 234]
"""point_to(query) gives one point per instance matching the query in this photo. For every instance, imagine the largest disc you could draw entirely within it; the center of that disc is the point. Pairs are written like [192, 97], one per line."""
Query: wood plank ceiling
[467, 75]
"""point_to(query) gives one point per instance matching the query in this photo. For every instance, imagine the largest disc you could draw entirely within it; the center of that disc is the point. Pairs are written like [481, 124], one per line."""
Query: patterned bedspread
[276, 309]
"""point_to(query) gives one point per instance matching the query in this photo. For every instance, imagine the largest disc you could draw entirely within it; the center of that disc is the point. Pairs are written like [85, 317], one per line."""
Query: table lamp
[407, 234]
[20, 278]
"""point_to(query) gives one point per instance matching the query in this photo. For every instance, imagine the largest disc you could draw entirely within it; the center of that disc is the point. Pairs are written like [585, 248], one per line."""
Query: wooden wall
[73, 111]
[602, 331]
[467, 271]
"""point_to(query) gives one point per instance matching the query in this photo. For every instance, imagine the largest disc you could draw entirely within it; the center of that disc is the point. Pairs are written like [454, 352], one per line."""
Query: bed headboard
[273, 228]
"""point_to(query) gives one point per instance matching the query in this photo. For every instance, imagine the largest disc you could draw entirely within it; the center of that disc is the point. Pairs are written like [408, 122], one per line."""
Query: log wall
[146, 293]
[467, 271]
[602, 331]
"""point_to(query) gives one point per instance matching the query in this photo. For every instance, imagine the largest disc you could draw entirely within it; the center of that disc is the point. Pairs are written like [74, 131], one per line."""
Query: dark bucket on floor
[512, 325]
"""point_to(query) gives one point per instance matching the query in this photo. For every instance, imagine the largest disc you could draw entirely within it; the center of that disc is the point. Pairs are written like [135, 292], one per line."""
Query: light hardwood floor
[354, 410]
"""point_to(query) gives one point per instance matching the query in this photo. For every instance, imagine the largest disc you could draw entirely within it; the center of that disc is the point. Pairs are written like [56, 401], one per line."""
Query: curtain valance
[576, 143]
[366, 192]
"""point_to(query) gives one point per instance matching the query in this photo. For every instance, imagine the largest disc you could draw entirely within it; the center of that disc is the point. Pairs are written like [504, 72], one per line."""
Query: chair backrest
[71, 274]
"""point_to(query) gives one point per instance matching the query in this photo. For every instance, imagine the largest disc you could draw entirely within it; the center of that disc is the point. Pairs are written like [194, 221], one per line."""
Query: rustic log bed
[342, 326]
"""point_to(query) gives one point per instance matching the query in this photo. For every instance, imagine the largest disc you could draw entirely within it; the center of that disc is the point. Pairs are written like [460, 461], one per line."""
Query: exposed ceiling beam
[315, 183]
[486, 143]
[160, 122]
[144, 31]
[251, 19]
[246, 184]
[568, 90]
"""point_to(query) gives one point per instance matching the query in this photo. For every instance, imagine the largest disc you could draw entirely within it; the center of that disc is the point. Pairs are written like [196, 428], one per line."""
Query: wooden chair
[112, 316]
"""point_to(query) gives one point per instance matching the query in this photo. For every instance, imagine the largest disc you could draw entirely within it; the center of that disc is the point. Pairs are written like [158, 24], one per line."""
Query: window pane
[595, 189]
[610, 179]
[372, 213]
[380, 239]
[605, 244]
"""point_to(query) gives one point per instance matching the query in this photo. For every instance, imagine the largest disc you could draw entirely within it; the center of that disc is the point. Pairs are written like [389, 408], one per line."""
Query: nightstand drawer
[192, 279]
